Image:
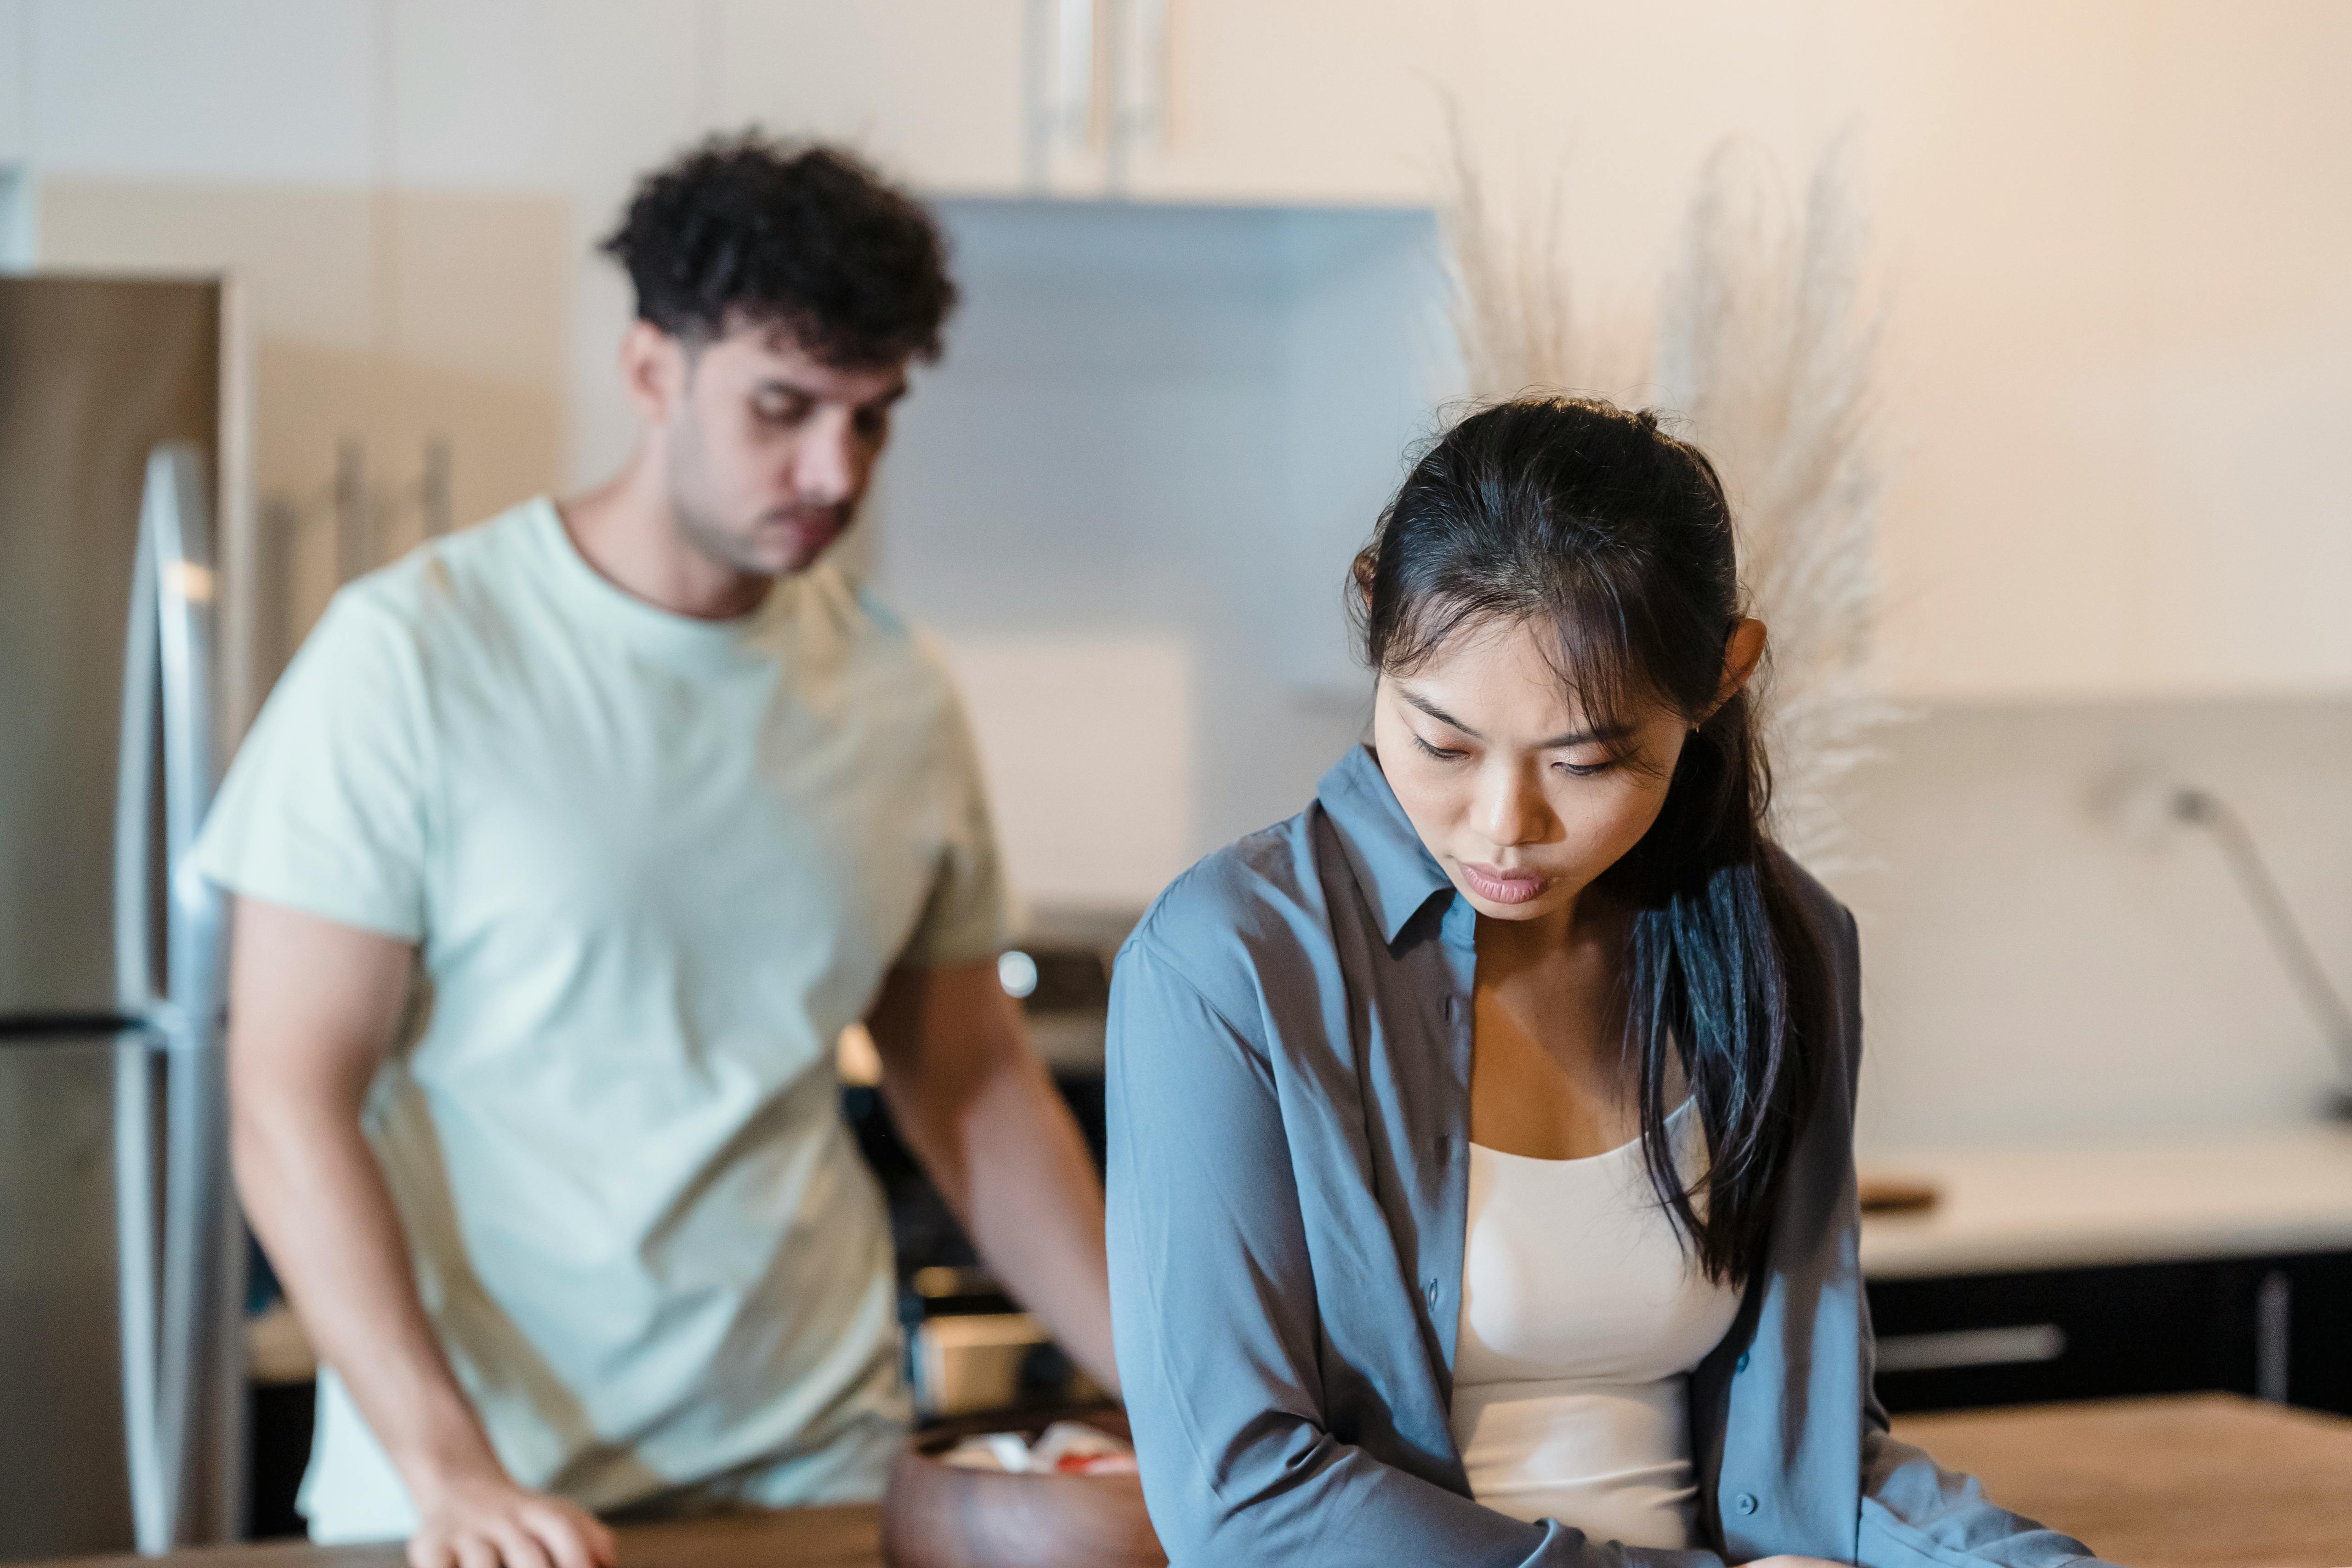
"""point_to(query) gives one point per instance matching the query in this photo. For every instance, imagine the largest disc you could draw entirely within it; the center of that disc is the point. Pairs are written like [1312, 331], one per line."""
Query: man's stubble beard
[709, 535]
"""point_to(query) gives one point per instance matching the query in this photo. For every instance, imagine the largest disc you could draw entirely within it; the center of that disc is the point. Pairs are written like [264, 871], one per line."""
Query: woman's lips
[1500, 887]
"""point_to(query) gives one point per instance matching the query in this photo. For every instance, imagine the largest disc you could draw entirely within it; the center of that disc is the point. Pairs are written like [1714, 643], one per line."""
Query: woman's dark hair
[1615, 541]
[744, 231]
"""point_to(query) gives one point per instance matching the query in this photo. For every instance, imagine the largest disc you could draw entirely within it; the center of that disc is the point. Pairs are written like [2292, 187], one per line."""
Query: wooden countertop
[2285, 1189]
[2197, 1481]
[796, 1538]
[2203, 1481]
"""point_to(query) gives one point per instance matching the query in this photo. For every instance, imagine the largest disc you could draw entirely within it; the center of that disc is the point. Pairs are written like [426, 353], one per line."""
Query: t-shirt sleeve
[326, 807]
[967, 917]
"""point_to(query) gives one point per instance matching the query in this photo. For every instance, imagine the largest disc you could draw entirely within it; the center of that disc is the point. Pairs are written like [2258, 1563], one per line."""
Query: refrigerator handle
[134, 792]
[185, 582]
[198, 1331]
[138, 1288]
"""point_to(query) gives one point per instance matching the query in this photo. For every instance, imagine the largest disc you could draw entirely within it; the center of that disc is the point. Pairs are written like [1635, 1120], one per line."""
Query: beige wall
[389, 319]
[2118, 257]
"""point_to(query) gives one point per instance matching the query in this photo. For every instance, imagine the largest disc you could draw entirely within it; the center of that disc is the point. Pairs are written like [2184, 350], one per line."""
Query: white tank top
[1581, 1319]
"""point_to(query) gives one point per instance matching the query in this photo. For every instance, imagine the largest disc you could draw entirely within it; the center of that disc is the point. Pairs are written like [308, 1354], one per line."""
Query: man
[659, 801]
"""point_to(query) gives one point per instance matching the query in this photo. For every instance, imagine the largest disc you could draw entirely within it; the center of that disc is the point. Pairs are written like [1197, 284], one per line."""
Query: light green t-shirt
[653, 866]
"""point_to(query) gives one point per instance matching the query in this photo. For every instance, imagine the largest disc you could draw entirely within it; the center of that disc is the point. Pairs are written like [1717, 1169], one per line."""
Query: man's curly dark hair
[748, 230]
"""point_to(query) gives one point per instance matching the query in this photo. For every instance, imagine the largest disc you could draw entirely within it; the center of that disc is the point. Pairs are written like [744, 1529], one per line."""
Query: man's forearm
[317, 1201]
[1033, 1207]
[980, 1112]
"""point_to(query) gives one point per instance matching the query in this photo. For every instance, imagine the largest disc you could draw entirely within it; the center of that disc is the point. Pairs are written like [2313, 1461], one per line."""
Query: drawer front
[2277, 1327]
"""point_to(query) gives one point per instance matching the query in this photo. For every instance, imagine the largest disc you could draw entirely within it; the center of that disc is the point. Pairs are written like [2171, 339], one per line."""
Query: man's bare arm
[976, 1105]
[312, 1007]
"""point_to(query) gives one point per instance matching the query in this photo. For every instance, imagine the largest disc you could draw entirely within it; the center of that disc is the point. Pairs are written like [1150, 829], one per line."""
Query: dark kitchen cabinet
[2276, 1327]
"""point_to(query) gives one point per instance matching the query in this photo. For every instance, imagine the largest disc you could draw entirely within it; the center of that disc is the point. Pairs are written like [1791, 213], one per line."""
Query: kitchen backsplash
[2044, 961]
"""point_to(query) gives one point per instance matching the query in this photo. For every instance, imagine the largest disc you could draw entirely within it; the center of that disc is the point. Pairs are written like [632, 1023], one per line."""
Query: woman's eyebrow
[1557, 743]
[1435, 711]
[1587, 737]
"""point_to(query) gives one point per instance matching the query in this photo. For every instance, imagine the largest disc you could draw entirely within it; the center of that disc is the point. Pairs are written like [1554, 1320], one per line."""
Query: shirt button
[1741, 1365]
[1433, 1292]
[1744, 1503]
[1453, 1009]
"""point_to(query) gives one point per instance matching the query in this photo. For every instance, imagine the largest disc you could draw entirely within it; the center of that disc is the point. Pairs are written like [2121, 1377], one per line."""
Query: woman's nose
[1511, 808]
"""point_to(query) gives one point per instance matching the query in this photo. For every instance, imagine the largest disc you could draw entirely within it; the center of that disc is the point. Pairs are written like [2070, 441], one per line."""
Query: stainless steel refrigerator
[122, 1252]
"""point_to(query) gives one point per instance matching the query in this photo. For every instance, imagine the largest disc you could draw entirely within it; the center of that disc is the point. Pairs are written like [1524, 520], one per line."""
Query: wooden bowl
[942, 1516]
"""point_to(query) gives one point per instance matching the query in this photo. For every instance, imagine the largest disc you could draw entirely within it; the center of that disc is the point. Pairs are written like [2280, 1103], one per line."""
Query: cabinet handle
[1971, 1347]
[1077, 72]
[1135, 43]
[1146, 74]
[1061, 88]
[2274, 1335]
[1097, 76]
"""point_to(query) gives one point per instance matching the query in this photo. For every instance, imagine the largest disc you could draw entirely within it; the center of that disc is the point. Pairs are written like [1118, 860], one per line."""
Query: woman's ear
[1743, 650]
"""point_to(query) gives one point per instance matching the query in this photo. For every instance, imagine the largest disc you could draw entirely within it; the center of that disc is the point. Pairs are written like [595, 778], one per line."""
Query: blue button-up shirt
[1290, 1120]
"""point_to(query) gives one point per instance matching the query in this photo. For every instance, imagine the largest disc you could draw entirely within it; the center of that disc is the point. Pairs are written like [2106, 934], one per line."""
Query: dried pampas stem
[1513, 306]
[1767, 348]
[1520, 321]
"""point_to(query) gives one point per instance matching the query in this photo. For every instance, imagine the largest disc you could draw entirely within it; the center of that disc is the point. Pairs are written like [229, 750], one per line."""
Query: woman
[1482, 1177]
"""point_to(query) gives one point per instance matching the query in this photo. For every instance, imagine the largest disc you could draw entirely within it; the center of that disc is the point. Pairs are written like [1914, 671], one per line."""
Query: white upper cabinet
[1253, 102]
[1307, 101]
[936, 91]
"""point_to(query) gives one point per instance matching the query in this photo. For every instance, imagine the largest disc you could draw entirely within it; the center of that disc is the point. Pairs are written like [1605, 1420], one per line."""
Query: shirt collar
[1391, 864]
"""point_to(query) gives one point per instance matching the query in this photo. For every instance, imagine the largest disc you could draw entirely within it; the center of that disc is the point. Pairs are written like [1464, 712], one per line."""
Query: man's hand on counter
[314, 1009]
[484, 1522]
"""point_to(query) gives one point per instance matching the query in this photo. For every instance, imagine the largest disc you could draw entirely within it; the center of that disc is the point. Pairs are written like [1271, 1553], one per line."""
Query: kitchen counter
[847, 1537]
[2203, 1481]
[2277, 1191]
